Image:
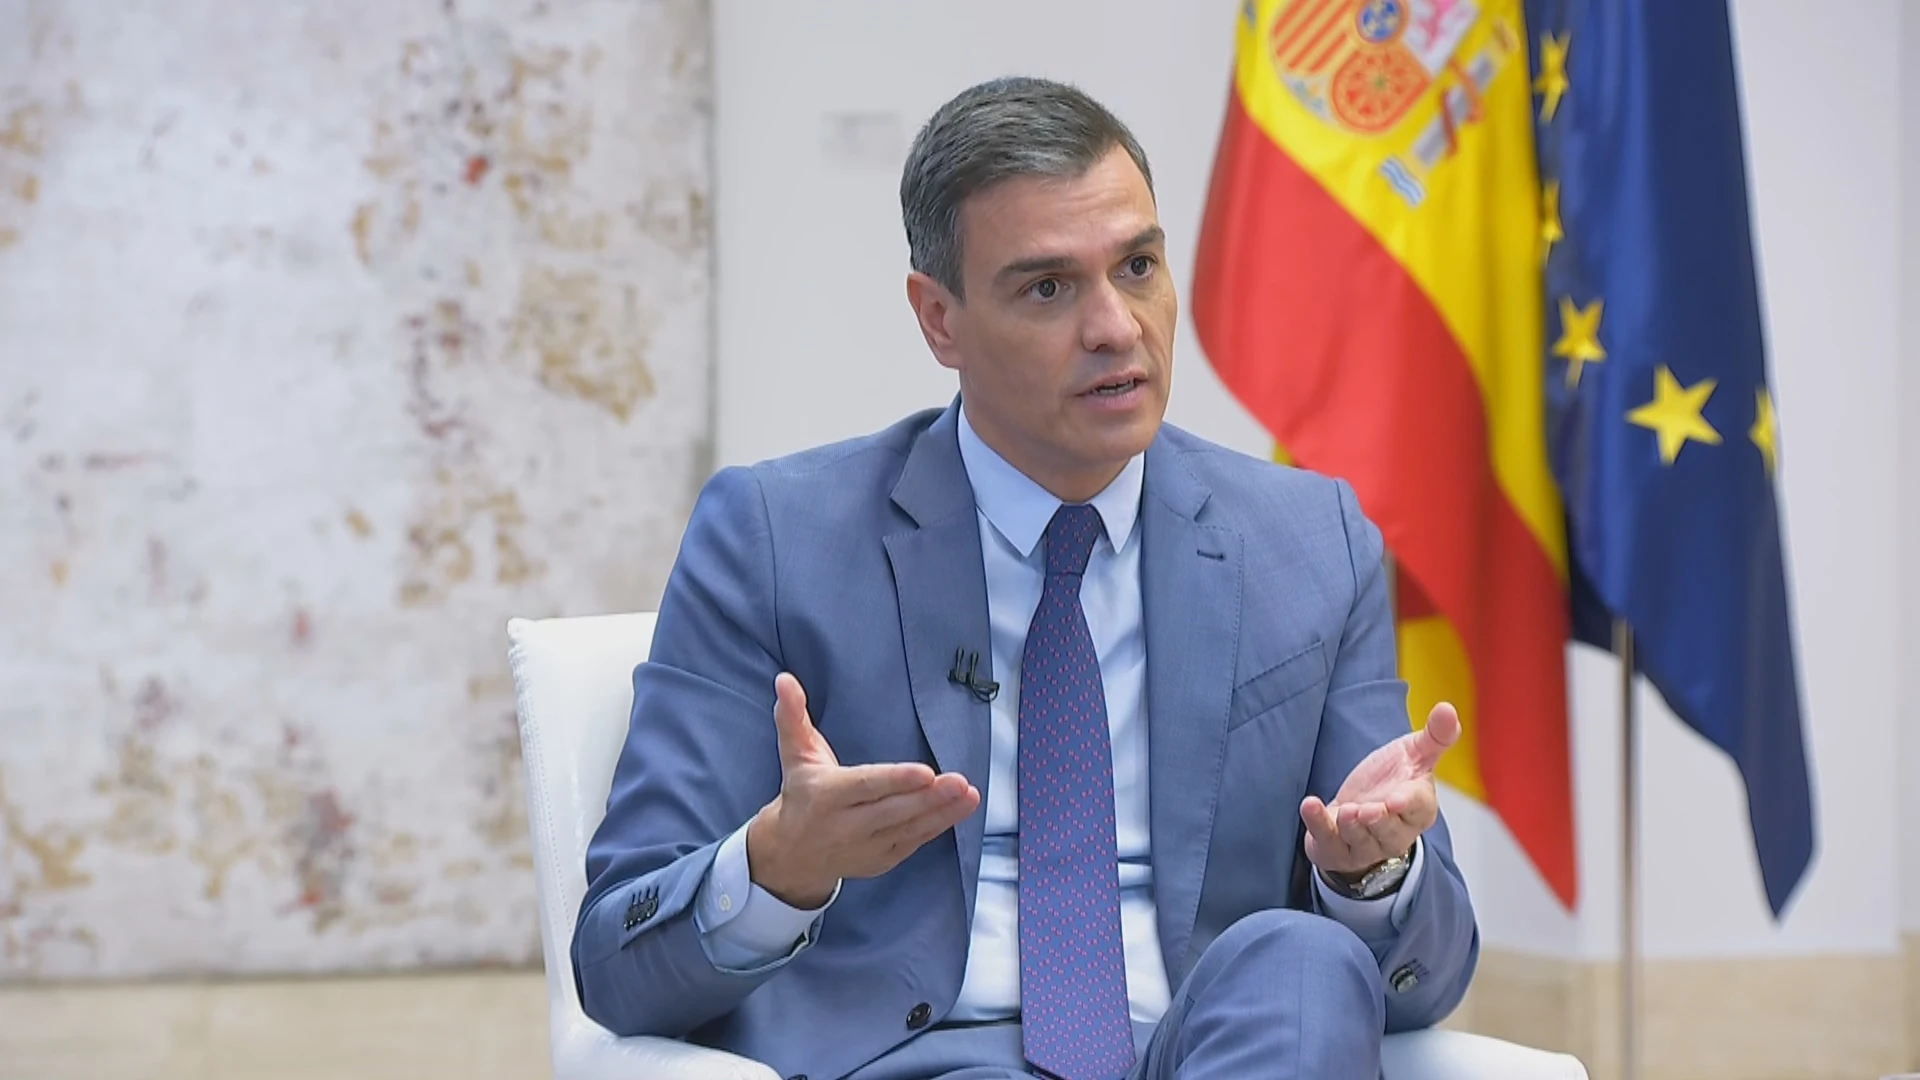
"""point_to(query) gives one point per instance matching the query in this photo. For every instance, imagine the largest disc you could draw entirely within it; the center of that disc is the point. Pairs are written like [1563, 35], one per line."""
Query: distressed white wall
[815, 105]
[332, 334]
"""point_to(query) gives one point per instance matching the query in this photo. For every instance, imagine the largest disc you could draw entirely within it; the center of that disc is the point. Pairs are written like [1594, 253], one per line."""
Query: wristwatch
[1372, 883]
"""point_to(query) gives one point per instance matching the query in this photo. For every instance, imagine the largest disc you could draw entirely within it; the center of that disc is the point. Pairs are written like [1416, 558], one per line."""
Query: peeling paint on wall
[331, 336]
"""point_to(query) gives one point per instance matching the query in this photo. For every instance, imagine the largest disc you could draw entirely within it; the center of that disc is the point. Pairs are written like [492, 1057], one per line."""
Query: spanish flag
[1369, 287]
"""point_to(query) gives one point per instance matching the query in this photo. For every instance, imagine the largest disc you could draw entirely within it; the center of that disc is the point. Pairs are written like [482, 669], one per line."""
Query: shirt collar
[1021, 509]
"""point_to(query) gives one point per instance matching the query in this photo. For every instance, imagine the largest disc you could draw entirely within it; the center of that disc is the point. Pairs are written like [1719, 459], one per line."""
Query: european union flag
[1661, 425]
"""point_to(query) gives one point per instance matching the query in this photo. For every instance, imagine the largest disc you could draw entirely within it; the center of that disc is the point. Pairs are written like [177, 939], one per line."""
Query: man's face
[1064, 344]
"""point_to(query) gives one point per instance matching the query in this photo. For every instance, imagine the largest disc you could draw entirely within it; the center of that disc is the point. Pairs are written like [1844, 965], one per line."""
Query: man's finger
[1391, 835]
[861, 785]
[931, 822]
[1320, 822]
[1441, 732]
[1348, 817]
[1368, 814]
[885, 815]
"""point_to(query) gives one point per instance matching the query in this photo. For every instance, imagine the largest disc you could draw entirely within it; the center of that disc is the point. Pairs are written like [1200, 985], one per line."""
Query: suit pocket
[1277, 685]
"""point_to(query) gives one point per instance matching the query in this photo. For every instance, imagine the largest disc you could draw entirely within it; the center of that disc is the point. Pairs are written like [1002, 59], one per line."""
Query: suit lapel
[941, 581]
[1190, 594]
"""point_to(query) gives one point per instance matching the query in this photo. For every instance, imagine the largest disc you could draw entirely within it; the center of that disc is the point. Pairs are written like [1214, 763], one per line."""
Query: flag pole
[1629, 858]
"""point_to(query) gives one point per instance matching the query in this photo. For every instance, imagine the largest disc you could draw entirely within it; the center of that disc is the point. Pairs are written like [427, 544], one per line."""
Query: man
[1086, 755]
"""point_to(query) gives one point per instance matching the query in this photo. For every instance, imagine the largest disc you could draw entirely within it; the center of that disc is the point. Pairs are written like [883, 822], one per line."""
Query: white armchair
[573, 681]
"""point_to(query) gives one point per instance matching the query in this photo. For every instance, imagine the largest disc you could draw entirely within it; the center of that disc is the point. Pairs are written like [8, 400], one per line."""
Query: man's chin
[1121, 446]
[1139, 430]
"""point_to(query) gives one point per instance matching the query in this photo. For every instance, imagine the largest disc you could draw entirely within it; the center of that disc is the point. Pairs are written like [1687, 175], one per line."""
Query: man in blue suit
[1028, 736]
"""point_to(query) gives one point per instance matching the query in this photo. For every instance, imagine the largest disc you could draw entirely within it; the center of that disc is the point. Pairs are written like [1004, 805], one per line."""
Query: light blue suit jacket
[857, 566]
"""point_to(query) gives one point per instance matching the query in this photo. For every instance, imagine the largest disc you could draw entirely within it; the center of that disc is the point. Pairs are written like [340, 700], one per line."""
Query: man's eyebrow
[1037, 264]
[1034, 265]
[1152, 234]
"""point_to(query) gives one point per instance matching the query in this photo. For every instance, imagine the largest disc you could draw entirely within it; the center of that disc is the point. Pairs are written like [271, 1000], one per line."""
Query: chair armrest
[1437, 1054]
[587, 1051]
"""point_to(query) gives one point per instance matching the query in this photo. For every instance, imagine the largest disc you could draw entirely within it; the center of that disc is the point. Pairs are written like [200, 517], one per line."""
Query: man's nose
[1109, 324]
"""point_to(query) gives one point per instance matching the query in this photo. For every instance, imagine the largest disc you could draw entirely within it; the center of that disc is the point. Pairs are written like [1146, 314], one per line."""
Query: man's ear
[935, 307]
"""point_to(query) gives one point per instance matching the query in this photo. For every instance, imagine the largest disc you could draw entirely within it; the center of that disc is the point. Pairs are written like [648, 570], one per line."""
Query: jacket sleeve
[700, 759]
[1428, 951]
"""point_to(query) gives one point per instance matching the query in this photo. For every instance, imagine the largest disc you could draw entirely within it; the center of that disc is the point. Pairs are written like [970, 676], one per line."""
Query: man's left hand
[1386, 803]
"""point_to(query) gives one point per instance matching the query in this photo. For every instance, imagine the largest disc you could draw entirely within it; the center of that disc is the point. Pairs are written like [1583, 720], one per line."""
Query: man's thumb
[1442, 731]
[798, 739]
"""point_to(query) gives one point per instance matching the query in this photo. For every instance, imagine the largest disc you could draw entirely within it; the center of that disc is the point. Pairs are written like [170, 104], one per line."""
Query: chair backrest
[573, 681]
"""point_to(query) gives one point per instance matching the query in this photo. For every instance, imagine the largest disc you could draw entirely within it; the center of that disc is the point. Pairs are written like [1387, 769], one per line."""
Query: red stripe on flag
[1319, 63]
[1294, 19]
[1302, 39]
[1408, 601]
[1334, 37]
[1328, 341]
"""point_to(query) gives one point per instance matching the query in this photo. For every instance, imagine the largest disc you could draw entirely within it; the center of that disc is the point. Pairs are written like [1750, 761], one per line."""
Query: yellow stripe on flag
[1472, 241]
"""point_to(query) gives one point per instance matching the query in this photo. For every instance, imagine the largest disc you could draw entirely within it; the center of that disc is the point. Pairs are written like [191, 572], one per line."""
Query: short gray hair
[992, 132]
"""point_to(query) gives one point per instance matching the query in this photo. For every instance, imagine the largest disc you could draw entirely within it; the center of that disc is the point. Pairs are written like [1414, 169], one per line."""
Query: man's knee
[1281, 940]
[1277, 993]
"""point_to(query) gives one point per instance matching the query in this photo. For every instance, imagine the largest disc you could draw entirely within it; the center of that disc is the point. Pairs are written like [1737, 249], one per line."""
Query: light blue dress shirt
[745, 928]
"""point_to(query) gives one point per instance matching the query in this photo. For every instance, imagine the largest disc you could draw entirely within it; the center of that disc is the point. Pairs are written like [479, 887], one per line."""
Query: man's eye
[1140, 265]
[1045, 288]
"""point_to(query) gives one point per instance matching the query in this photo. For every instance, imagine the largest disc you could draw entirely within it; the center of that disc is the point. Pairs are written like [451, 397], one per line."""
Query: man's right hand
[831, 822]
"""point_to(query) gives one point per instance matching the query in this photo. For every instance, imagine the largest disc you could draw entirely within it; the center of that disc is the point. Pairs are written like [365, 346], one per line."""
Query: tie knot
[1070, 537]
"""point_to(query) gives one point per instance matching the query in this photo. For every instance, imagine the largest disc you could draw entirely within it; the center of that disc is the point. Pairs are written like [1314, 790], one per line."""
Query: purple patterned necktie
[1073, 970]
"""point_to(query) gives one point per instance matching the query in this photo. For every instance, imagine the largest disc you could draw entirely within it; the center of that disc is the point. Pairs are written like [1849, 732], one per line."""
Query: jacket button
[918, 1018]
[1404, 979]
[798, 1076]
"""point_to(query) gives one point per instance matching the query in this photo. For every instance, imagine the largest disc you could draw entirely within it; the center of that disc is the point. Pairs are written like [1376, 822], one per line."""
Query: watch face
[1376, 882]
[1383, 879]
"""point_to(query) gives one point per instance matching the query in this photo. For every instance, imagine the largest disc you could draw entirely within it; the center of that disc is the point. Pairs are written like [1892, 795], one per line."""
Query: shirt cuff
[743, 927]
[1381, 916]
